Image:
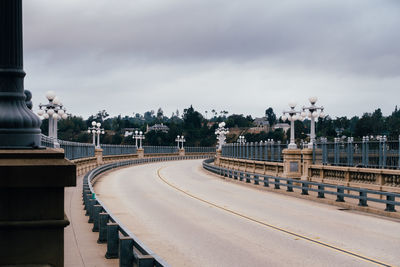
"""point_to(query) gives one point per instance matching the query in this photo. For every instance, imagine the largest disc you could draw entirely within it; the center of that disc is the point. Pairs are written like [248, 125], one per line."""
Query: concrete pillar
[140, 153]
[32, 217]
[292, 163]
[182, 152]
[98, 153]
[307, 162]
[218, 157]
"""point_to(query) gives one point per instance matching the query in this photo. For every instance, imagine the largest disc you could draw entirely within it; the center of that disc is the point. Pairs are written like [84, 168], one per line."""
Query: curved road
[192, 218]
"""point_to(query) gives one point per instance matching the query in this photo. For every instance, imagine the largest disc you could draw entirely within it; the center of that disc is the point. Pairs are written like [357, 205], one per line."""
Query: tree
[270, 115]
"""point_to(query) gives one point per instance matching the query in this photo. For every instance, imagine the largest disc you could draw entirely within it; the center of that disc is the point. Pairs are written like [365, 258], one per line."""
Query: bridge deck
[191, 218]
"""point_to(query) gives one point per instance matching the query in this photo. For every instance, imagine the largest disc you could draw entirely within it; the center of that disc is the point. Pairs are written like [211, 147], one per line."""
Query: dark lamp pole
[19, 126]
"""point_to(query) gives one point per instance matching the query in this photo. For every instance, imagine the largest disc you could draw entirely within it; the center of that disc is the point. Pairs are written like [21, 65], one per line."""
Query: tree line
[200, 130]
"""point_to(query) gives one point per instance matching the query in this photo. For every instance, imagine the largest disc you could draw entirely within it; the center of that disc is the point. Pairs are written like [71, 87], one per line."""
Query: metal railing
[118, 149]
[121, 243]
[200, 149]
[341, 192]
[368, 154]
[160, 149]
[46, 141]
[74, 150]
[262, 151]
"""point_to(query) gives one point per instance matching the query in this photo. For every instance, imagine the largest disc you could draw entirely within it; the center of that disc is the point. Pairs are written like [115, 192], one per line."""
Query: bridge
[243, 204]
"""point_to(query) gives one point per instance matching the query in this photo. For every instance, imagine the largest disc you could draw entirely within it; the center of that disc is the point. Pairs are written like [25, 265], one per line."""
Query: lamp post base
[292, 146]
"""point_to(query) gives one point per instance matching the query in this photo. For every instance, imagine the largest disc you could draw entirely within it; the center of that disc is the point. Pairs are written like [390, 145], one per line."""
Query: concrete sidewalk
[81, 248]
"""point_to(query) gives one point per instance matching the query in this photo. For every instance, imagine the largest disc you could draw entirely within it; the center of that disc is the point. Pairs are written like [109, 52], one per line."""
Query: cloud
[176, 53]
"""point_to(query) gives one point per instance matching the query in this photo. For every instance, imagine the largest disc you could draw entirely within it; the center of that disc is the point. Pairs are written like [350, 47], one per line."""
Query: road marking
[370, 260]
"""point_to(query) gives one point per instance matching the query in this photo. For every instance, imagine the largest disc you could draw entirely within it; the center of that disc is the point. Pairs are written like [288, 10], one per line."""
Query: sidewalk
[81, 248]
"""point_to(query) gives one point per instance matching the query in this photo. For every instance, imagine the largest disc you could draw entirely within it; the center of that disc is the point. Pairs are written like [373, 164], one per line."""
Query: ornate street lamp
[241, 139]
[53, 111]
[96, 130]
[292, 116]
[138, 136]
[180, 139]
[221, 133]
[19, 126]
[313, 114]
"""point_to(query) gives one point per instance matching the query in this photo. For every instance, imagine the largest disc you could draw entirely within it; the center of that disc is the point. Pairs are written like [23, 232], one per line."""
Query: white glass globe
[315, 114]
[223, 124]
[102, 132]
[98, 124]
[45, 115]
[313, 99]
[309, 115]
[136, 132]
[93, 131]
[178, 136]
[284, 118]
[89, 131]
[60, 112]
[140, 132]
[98, 131]
[294, 117]
[64, 116]
[50, 95]
[56, 101]
[40, 112]
[93, 123]
[303, 114]
[55, 116]
[322, 115]
[50, 112]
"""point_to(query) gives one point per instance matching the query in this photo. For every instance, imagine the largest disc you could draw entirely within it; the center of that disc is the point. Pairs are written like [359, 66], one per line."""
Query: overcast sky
[128, 56]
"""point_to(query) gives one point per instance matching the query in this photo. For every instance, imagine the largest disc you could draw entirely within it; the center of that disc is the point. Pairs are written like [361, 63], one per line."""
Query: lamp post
[313, 114]
[241, 139]
[96, 129]
[138, 136]
[53, 111]
[19, 126]
[180, 139]
[221, 133]
[292, 116]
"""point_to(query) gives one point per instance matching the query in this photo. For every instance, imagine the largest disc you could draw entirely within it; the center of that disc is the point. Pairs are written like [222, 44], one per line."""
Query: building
[158, 128]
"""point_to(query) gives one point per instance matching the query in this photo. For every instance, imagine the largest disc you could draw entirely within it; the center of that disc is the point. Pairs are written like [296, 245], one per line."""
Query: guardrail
[118, 149]
[121, 243]
[160, 149]
[363, 195]
[200, 149]
[262, 151]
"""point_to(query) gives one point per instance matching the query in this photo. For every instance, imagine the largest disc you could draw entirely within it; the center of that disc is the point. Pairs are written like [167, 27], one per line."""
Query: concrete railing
[370, 178]
[121, 243]
[341, 192]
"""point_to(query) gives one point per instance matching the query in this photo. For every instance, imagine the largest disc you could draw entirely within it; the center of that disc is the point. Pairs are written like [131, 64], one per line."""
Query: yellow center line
[370, 260]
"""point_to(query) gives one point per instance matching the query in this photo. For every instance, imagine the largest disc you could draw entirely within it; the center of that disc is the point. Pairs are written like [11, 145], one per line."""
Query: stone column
[98, 153]
[32, 217]
[182, 152]
[140, 153]
[19, 126]
[292, 163]
[218, 157]
[307, 162]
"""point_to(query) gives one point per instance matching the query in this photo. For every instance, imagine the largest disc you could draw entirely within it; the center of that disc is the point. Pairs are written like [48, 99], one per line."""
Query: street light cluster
[241, 139]
[221, 133]
[137, 135]
[311, 112]
[180, 139]
[53, 111]
[96, 129]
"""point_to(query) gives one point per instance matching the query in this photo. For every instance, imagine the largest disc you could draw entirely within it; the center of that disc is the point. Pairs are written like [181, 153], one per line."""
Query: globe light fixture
[313, 115]
[96, 130]
[221, 133]
[180, 139]
[53, 111]
[291, 116]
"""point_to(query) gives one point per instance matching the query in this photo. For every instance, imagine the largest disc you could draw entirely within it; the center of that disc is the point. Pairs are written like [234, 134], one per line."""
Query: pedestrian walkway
[81, 248]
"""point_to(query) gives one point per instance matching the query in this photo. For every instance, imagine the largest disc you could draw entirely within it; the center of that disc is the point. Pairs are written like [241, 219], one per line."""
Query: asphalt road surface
[192, 218]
